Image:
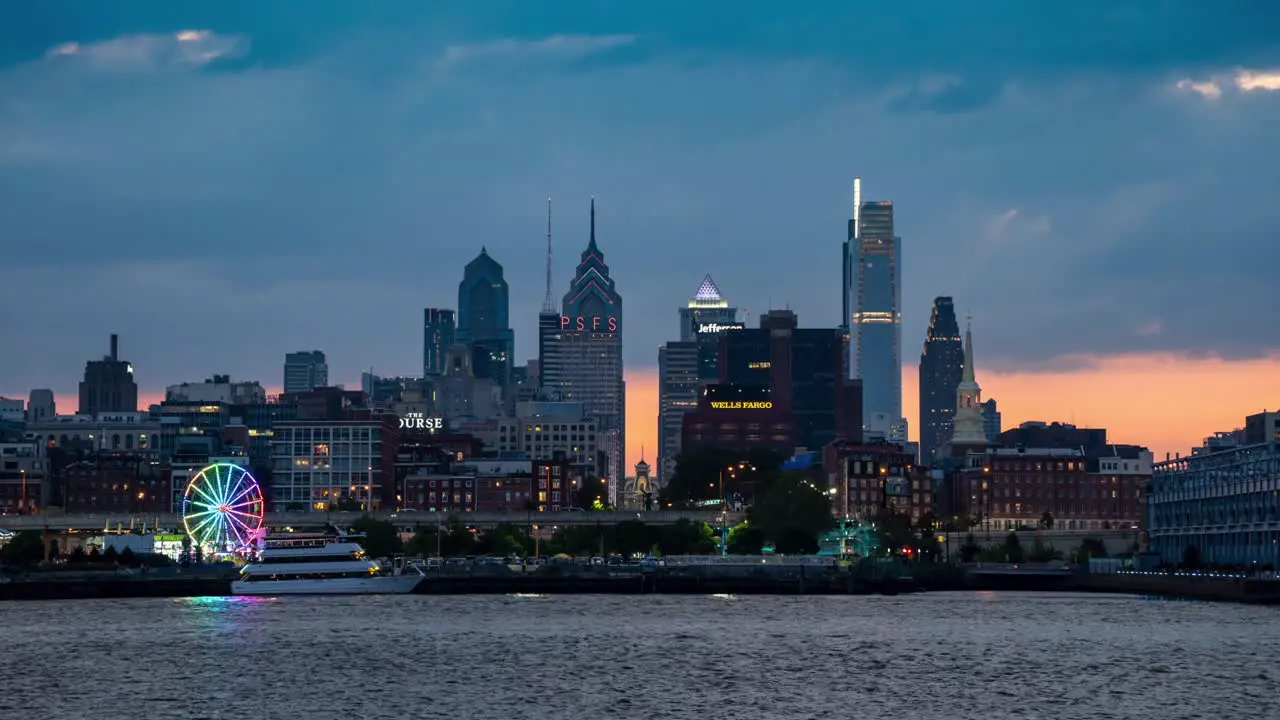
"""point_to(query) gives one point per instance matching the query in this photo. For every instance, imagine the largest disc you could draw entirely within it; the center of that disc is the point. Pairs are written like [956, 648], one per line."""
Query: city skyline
[347, 168]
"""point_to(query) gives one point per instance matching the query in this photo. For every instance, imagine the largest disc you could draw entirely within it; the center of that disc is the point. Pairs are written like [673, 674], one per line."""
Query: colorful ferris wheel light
[222, 508]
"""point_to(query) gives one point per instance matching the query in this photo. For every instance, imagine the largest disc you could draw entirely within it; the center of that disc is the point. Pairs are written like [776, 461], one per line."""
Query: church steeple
[969, 430]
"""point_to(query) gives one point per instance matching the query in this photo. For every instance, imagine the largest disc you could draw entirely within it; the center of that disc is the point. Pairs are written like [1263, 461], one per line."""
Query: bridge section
[405, 521]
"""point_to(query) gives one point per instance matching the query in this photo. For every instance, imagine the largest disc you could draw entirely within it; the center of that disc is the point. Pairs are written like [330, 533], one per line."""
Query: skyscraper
[684, 367]
[941, 367]
[873, 308]
[581, 360]
[483, 319]
[304, 371]
[108, 384]
[438, 334]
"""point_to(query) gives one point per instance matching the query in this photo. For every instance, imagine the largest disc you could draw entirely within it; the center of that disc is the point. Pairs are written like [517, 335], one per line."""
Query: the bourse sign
[418, 421]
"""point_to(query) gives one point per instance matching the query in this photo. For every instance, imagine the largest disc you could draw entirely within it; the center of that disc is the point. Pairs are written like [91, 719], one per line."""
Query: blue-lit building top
[1224, 505]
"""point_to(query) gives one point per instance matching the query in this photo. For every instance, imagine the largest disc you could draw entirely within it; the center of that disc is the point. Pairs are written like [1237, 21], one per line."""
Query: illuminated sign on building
[718, 328]
[594, 324]
[417, 421]
[742, 405]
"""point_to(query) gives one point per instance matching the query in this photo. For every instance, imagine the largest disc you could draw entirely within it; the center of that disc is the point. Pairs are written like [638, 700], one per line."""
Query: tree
[77, 556]
[746, 540]
[457, 541]
[686, 537]
[424, 543]
[24, 549]
[894, 531]
[788, 503]
[970, 550]
[591, 495]
[1013, 549]
[128, 558]
[1046, 520]
[632, 537]
[794, 541]
[698, 475]
[1191, 557]
[1090, 548]
[504, 539]
[1040, 552]
[381, 539]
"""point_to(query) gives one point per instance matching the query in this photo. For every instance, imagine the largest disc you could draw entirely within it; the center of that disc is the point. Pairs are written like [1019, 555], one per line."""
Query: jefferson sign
[594, 324]
[742, 405]
[417, 421]
[718, 328]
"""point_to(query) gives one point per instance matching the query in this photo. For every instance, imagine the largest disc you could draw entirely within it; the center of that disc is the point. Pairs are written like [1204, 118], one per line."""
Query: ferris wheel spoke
[201, 491]
[248, 488]
[202, 527]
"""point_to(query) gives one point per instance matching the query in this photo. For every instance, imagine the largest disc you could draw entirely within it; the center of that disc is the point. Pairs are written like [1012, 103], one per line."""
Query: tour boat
[322, 565]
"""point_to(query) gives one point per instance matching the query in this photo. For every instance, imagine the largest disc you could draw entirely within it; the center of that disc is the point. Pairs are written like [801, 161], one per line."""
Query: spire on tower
[591, 246]
[969, 374]
[548, 302]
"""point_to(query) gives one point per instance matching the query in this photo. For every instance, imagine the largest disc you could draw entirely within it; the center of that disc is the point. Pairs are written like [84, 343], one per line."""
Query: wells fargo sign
[742, 405]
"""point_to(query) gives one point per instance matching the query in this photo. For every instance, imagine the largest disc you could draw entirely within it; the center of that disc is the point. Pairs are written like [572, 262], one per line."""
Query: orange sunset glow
[1164, 402]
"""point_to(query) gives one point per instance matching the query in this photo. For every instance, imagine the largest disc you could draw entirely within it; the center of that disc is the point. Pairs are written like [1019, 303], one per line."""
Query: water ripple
[944, 656]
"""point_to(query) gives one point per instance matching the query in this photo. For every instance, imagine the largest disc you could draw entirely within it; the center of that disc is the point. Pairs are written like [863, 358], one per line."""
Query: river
[946, 656]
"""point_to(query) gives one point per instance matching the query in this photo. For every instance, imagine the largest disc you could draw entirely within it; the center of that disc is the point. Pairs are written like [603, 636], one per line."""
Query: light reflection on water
[955, 656]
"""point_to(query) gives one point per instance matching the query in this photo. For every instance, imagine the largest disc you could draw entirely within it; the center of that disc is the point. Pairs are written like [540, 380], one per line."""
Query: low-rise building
[1217, 507]
[119, 482]
[874, 478]
[22, 478]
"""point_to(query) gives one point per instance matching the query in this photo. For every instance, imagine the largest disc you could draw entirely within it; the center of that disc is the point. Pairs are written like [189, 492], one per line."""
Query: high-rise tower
[305, 370]
[582, 360]
[684, 367]
[438, 330]
[873, 309]
[483, 319]
[941, 368]
[108, 384]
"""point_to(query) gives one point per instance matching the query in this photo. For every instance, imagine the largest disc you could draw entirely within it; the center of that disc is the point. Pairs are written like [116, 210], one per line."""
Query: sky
[225, 182]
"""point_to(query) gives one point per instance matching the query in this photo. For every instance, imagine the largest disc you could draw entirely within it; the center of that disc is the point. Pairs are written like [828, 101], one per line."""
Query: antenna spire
[548, 302]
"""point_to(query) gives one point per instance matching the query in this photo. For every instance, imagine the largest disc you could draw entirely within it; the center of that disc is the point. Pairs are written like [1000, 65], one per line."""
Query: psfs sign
[418, 421]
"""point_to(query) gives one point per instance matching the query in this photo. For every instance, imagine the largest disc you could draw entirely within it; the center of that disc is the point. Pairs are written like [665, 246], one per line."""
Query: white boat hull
[380, 585]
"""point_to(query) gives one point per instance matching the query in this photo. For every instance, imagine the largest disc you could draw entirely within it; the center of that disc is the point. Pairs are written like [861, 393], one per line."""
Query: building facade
[873, 306]
[582, 360]
[323, 464]
[679, 384]
[941, 368]
[108, 385]
[1217, 507]
[991, 422]
[871, 479]
[806, 372]
[305, 371]
[438, 335]
[217, 389]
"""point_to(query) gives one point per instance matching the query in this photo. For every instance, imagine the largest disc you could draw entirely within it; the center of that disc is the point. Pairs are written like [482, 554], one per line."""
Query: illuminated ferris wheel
[222, 508]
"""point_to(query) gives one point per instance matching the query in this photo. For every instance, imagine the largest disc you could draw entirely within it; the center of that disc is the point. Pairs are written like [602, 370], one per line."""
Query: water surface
[947, 656]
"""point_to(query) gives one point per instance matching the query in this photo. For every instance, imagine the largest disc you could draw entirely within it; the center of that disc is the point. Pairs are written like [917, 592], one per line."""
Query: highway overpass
[407, 521]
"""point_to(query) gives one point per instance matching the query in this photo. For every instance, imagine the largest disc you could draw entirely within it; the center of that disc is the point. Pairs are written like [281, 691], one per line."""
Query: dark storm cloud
[322, 183]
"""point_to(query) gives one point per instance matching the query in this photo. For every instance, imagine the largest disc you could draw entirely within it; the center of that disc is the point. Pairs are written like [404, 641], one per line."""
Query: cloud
[1150, 329]
[149, 52]
[562, 47]
[1244, 81]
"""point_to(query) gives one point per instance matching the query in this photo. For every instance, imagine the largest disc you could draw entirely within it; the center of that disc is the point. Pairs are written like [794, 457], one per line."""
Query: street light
[23, 508]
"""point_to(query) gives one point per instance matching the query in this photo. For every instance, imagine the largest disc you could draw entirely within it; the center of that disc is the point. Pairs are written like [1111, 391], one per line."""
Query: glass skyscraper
[483, 322]
[941, 367]
[873, 307]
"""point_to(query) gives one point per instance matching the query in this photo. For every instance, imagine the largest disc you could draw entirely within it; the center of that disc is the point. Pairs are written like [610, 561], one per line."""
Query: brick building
[118, 483]
[1009, 488]
[873, 478]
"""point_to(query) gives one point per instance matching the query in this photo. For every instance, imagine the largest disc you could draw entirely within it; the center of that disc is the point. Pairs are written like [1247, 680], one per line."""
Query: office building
[483, 319]
[941, 367]
[873, 308]
[805, 371]
[305, 371]
[108, 385]
[41, 406]
[582, 358]
[991, 422]
[685, 367]
[438, 335]
[217, 389]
